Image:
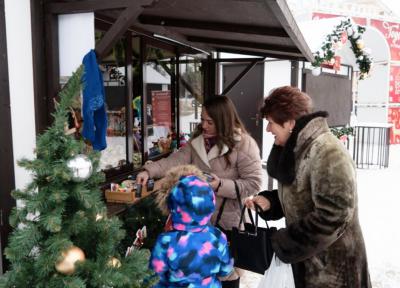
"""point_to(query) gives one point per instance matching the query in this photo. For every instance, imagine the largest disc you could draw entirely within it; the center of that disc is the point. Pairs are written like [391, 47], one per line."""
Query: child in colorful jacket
[195, 253]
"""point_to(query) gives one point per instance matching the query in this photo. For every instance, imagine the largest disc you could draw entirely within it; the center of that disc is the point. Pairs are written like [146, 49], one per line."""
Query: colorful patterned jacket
[195, 253]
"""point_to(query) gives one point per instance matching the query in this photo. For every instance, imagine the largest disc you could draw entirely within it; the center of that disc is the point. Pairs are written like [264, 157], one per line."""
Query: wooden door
[248, 95]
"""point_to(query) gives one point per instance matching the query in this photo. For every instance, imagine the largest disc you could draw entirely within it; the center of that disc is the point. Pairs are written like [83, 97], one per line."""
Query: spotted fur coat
[317, 194]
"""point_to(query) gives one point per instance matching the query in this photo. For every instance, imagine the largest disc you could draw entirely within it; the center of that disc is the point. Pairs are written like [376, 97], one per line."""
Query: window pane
[158, 70]
[114, 84]
[191, 94]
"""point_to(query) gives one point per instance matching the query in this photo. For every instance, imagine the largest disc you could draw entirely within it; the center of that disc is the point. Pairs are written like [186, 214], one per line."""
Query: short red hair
[286, 103]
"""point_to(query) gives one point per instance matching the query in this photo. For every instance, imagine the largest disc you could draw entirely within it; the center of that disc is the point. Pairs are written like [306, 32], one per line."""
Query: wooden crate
[120, 197]
[129, 197]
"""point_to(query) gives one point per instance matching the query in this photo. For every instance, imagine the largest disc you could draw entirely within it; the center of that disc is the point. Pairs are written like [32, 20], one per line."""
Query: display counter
[116, 204]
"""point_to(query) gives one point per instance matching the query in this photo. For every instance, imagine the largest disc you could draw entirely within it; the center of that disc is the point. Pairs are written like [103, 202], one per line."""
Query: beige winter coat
[245, 169]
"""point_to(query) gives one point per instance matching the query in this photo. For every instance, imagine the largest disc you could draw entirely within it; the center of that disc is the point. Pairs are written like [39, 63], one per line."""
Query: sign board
[161, 104]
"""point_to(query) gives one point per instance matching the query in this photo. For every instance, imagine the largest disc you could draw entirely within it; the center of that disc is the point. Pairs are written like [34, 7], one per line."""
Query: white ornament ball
[349, 31]
[81, 167]
[316, 71]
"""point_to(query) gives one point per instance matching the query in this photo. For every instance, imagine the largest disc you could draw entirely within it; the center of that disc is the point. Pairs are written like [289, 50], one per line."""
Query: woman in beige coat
[317, 195]
[222, 147]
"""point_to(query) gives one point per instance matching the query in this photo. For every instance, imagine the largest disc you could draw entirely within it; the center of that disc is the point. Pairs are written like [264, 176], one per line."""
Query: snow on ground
[379, 211]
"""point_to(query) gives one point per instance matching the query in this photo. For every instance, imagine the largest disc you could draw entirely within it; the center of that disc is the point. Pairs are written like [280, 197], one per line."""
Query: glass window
[158, 72]
[191, 94]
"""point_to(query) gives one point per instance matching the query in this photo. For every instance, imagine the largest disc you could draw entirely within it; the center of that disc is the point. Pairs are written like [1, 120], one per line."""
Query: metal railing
[370, 145]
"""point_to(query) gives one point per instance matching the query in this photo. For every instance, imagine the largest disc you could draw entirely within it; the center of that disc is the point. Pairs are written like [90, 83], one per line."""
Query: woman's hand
[259, 200]
[215, 182]
[142, 177]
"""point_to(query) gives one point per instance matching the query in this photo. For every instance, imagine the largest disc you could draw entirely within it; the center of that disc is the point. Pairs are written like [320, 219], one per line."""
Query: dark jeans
[231, 284]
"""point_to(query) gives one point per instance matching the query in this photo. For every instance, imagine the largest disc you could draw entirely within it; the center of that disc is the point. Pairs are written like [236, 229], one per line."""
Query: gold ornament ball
[114, 262]
[360, 44]
[70, 257]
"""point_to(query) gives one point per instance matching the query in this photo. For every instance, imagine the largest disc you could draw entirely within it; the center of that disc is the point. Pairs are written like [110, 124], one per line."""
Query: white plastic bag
[278, 275]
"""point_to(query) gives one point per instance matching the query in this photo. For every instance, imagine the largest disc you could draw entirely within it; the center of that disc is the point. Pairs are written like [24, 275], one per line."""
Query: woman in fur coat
[317, 195]
[222, 147]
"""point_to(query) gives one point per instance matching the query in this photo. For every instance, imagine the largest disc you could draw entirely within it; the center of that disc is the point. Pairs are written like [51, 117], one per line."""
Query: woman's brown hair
[286, 103]
[226, 119]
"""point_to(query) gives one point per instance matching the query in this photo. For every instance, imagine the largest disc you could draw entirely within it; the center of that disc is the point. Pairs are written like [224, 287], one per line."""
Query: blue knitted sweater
[93, 106]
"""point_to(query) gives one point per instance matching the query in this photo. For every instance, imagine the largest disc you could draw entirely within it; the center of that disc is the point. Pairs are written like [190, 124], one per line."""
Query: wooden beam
[213, 26]
[167, 33]
[129, 96]
[294, 73]
[244, 44]
[7, 176]
[85, 6]
[52, 62]
[104, 21]
[127, 17]
[261, 53]
[42, 118]
[282, 12]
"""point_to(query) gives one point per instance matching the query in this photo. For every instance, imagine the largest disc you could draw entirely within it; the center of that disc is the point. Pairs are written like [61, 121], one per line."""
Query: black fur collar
[281, 160]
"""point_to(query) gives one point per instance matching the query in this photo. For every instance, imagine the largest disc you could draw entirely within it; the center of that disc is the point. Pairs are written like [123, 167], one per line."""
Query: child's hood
[191, 203]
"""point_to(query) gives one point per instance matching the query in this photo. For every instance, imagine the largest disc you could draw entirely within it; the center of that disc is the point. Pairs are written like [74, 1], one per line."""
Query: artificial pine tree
[63, 218]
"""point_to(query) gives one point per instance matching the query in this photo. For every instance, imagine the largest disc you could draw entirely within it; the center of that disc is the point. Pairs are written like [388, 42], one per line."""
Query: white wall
[277, 73]
[20, 69]
[76, 38]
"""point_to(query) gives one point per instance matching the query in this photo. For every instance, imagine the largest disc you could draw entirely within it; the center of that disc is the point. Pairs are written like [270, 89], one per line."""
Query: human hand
[259, 200]
[142, 177]
[215, 182]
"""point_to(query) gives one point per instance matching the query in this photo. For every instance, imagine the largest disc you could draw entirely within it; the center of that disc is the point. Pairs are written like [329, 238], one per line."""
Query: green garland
[342, 131]
[354, 35]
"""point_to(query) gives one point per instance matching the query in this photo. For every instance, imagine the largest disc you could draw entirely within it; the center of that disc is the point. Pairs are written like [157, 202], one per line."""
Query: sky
[394, 5]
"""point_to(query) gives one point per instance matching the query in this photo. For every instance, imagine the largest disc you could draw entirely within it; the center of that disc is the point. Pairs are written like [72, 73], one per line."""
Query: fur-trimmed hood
[281, 161]
[171, 179]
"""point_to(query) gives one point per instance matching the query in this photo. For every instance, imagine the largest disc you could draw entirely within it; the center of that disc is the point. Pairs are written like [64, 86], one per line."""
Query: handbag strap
[254, 223]
[221, 209]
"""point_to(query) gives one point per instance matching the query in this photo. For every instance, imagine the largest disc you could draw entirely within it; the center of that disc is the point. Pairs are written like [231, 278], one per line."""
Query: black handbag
[252, 248]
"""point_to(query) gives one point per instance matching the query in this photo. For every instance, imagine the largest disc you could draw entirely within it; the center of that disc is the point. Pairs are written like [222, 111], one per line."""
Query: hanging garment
[93, 106]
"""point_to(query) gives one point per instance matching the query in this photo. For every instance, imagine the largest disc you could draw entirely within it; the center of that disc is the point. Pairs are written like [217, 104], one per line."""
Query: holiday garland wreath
[346, 30]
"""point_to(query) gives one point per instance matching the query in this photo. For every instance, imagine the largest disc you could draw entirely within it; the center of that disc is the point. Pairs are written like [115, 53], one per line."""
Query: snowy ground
[379, 205]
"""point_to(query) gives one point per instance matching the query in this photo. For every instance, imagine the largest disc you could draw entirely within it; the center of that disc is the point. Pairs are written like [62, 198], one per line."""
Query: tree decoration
[114, 262]
[345, 31]
[70, 257]
[81, 167]
[342, 133]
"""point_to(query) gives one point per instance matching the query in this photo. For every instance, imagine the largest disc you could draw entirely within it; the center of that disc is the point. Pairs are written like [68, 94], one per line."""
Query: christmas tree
[62, 236]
